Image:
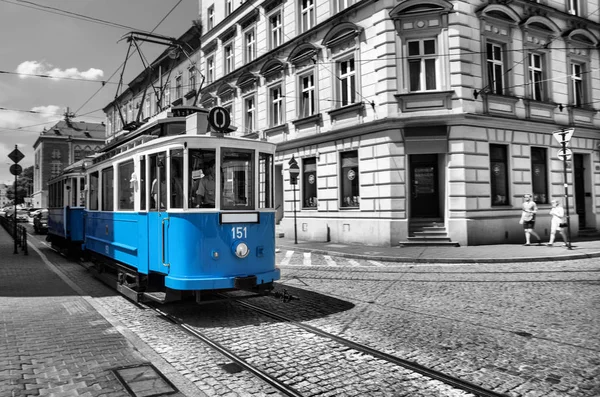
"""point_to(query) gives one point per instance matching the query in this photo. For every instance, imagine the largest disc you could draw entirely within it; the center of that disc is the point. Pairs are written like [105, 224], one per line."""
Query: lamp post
[294, 172]
[563, 137]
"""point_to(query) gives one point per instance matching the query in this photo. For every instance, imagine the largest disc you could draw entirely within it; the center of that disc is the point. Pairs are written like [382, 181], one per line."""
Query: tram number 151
[239, 232]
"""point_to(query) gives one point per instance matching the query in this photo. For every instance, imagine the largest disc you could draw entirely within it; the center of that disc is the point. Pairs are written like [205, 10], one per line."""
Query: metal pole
[295, 227]
[16, 251]
[564, 148]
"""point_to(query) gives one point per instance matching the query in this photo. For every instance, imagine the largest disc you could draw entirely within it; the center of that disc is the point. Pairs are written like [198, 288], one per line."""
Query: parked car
[40, 222]
[22, 216]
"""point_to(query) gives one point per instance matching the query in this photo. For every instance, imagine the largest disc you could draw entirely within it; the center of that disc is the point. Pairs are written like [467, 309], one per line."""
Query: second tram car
[173, 210]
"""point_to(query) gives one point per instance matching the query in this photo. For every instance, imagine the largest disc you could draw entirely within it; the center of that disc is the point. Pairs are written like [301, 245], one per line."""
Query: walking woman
[528, 219]
[557, 223]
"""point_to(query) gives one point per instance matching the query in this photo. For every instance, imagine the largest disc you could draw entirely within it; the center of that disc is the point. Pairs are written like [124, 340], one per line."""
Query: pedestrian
[528, 219]
[557, 223]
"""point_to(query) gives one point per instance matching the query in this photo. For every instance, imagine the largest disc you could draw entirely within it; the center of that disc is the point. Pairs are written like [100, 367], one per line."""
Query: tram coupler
[284, 296]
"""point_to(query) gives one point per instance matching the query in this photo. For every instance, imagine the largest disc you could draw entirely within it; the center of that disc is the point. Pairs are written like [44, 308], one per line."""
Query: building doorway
[425, 197]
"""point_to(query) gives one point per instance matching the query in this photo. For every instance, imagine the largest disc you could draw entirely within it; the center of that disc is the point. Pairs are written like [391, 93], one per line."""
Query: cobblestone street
[521, 329]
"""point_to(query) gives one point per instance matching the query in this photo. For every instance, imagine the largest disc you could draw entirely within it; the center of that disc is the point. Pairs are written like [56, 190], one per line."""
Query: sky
[54, 38]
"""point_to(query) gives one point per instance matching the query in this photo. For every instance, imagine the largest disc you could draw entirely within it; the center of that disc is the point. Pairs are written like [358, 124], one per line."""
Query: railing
[8, 223]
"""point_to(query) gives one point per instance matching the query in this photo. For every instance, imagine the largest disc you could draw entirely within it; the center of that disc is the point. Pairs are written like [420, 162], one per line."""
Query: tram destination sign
[219, 118]
[16, 155]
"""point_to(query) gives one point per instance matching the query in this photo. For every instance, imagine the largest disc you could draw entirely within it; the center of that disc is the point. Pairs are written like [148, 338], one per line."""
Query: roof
[75, 130]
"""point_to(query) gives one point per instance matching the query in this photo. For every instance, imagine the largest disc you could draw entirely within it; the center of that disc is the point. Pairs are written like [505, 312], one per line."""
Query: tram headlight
[241, 250]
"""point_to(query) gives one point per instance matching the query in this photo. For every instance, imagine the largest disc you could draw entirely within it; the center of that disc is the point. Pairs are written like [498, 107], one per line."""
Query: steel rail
[282, 387]
[411, 365]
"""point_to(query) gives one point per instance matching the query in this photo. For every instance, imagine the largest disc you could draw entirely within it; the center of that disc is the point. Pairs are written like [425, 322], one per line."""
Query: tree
[24, 186]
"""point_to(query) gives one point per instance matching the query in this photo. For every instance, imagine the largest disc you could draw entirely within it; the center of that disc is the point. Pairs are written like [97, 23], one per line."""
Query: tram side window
[265, 180]
[125, 186]
[177, 178]
[237, 179]
[158, 191]
[73, 192]
[82, 192]
[202, 178]
[108, 180]
[142, 178]
[94, 185]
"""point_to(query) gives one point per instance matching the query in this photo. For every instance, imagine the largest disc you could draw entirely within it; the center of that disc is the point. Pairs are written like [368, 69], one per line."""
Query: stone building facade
[401, 113]
[59, 146]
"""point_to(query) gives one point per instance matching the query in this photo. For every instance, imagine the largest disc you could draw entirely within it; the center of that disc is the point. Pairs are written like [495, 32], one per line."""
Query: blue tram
[172, 210]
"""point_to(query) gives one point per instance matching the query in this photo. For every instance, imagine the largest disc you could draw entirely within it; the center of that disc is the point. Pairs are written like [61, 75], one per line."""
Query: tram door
[157, 215]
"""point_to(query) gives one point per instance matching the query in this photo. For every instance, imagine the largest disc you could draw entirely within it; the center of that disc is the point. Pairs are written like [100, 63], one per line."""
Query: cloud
[35, 67]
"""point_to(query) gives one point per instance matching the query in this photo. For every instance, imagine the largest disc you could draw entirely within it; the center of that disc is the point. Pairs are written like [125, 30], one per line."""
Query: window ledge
[282, 128]
[353, 108]
[416, 101]
[190, 93]
[314, 119]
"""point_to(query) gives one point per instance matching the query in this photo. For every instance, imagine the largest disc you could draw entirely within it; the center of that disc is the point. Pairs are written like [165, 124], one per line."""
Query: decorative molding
[417, 101]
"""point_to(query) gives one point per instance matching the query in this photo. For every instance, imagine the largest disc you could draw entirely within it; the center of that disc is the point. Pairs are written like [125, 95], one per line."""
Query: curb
[399, 259]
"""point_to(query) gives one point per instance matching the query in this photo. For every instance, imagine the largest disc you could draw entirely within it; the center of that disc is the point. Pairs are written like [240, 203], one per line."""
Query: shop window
[499, 174]
[350, 195]
[108, 183]
[125, 186]
[309, 183]
[539, 175]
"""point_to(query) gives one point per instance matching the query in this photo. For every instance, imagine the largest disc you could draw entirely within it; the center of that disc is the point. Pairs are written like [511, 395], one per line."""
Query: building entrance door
[425, 202]
[579, 188]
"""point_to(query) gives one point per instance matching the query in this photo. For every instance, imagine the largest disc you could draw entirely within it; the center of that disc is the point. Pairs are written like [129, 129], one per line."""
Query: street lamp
[563, 137]
[294, 172]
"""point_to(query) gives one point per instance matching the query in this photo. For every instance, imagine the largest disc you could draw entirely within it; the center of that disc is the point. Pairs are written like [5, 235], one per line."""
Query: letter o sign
[219, 118]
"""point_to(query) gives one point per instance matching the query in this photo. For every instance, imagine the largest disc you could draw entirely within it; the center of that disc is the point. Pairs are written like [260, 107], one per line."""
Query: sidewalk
[471, 254]
[53, 342]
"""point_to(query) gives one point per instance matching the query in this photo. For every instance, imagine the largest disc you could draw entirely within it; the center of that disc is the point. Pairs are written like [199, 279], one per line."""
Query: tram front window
[237, 179]
[202, 178]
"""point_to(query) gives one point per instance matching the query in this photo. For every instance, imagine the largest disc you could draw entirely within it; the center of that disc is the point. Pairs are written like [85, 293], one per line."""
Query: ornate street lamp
[294, 172]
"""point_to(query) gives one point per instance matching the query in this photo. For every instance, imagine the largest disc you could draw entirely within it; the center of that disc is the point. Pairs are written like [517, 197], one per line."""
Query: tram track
[282, 386]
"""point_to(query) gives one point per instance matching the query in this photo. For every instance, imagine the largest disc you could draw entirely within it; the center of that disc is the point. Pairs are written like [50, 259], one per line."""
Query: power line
[122, 63]
[47, 76]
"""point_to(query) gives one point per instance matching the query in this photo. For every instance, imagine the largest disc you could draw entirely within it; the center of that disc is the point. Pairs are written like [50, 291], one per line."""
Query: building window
[347, 82]
[55, 154]
[167, 95]
[192, 74]
[55, 168]
[108, 183]
[309, 183]
[249, 114]
[307, 100]
[210, 69]
[276, 106]
[343, 4]
[577, 84]
[307, 13]
[276, 30]
[147, 107]
[249, 46]
[422, 60]
[350, 196]
[536, 80]
[228, 58]
[178, 87]
[573, 6]
[228, 7]
[129, 111]
[499, 174]
[211, 17]
[125, 186]
[495, 68]
[77, 153]
[539, 175]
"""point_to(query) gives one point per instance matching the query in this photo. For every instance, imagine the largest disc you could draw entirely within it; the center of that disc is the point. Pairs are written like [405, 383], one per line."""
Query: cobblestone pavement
[524, 329]
[52, 341]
